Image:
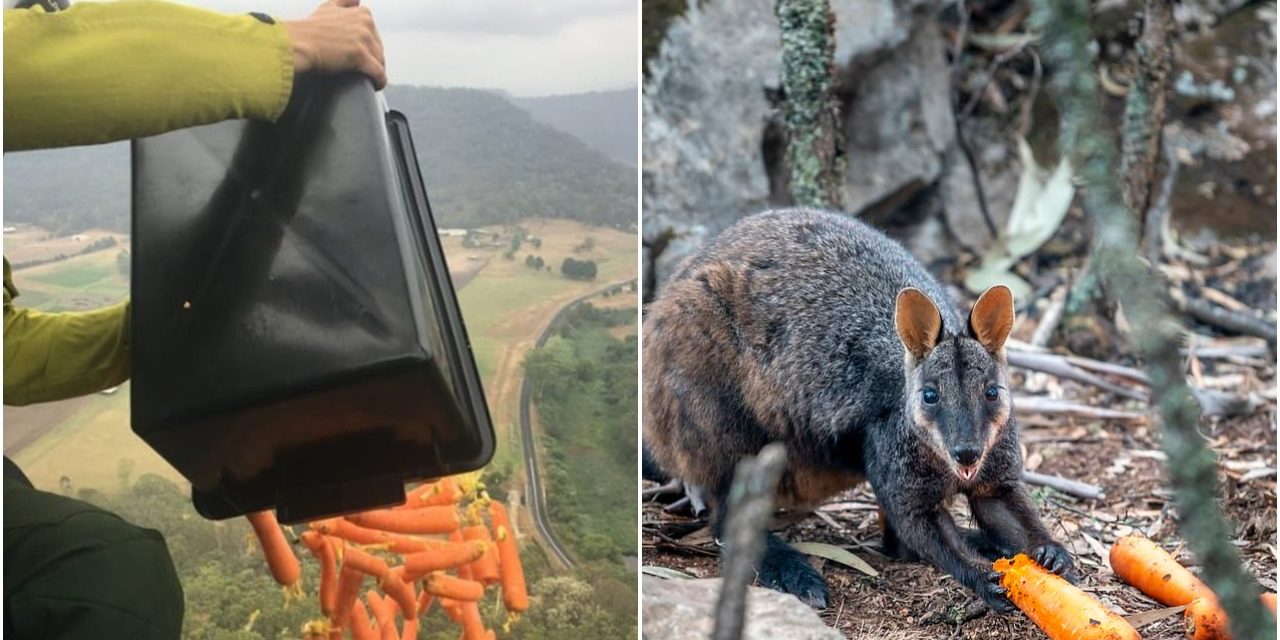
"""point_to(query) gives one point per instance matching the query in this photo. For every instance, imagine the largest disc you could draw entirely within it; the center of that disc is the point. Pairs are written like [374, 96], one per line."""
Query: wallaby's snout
[967, 454]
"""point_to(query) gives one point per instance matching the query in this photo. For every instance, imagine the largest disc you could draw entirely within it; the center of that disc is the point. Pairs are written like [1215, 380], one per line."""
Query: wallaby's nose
[965, 455]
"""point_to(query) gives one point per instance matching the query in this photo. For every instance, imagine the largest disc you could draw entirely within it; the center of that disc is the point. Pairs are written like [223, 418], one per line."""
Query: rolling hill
[606, 120]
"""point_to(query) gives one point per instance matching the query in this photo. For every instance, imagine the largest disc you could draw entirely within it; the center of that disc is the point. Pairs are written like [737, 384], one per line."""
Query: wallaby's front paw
[994, 595]
[792, 573]
[1056, 559]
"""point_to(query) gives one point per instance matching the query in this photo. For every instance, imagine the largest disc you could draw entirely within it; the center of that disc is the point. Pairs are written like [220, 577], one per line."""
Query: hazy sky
[527, 47]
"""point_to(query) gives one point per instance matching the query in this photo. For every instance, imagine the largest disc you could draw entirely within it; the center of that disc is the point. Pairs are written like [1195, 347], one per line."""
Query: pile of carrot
[435, 547]
[1065, 612]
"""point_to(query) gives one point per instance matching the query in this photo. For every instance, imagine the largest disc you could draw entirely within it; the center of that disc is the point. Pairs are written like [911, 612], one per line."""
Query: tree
[124, 263]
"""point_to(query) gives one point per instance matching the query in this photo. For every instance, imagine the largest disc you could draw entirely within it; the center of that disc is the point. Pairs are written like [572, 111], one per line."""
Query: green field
[75, 284]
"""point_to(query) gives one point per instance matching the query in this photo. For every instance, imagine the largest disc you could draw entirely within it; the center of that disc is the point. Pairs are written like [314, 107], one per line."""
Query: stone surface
[707, 107]
[682, 610]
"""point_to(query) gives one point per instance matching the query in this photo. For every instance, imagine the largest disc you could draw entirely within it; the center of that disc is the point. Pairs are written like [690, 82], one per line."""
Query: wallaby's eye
[992, 393]
[930, 395]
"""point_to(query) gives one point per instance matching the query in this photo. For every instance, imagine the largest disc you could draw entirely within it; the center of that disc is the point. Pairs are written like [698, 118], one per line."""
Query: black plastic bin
[296, 339]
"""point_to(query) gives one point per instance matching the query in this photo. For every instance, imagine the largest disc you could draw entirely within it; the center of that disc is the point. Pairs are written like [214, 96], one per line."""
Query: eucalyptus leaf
[835, 554]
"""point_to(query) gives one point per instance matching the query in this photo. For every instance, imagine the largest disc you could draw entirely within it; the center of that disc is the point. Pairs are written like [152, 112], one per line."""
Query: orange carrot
[1205, 618]
[280, 558]
[362, 628]
[349, 581]
[383, 609]
[1061, 610]
[472, 625]
[410, 629]
[421, 520]
[1143, 564]
[485, 568]
[351, 532]
[515, 595]
[432, 494]
[464, 570]
[490, 635]
[364, 562]
[449, 556]
[443, 585]
[401, 591]
[452, 608]
[324, 553]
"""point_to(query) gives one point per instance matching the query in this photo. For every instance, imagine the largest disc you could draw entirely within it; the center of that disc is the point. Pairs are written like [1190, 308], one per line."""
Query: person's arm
[100, 72]
[53, 356]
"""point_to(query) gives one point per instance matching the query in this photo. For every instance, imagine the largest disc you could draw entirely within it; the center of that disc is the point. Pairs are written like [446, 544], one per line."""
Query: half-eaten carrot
[401, 590]
[1143, 564]
[1061, 610]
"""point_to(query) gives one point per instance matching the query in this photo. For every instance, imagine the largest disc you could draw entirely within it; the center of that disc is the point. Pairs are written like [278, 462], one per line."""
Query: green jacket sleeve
[52, 356]
[100, 72]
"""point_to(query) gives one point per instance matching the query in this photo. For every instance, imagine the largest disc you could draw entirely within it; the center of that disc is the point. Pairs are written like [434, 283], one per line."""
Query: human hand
[339, 36]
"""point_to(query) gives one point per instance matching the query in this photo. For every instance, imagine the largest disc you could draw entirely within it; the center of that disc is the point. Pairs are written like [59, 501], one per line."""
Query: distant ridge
[605, 120]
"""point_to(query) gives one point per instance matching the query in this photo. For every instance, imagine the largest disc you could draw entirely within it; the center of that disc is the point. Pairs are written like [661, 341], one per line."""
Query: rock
[707, 109]
[898, 123]
[682, 610]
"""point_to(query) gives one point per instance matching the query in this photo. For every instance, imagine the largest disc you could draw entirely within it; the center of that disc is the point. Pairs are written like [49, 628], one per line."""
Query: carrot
[421, 520]
[485, 568]
[1061, 610]
[515, 595]
[349, 582]
[410, 629]
[443, 585]
[452, 608]
[323, 551]
[401, 591]
[364, 562]
[449, 556]
[383, 609]
[280, 558]
[361, 626]
[1205, 618]
[351, 532]
[432, 494]
[489, 634]
[1143, 564]
[472, 625]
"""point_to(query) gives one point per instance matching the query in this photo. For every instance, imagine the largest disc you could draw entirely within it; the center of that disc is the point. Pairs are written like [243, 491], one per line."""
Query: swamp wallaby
[817, 331]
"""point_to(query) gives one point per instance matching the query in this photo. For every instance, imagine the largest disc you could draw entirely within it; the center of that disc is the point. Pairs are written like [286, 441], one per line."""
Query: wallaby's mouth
[967, 472]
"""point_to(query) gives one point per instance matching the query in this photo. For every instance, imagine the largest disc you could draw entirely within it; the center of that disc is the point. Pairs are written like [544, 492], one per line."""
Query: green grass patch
[75, 275]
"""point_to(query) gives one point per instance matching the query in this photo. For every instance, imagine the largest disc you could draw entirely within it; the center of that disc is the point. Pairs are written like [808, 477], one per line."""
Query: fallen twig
[750, 507]
[1059, 366]
[1065, 485]
[1036, 404]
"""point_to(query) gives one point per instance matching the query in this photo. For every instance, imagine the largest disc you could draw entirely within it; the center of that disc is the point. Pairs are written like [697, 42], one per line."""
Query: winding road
[535, 493]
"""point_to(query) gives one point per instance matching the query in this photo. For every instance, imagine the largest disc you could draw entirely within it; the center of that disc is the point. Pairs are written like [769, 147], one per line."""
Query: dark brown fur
[814, 330]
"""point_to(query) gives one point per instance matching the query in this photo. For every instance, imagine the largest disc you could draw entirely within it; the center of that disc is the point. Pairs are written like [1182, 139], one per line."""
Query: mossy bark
[1069, 55]
[815, 148]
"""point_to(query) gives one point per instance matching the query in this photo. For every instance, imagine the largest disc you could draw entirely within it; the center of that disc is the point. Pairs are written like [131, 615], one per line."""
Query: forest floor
[1122, 456]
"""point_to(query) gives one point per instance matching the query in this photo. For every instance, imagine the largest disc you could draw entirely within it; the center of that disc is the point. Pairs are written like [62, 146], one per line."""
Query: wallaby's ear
[918, 322]
[992, 318]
